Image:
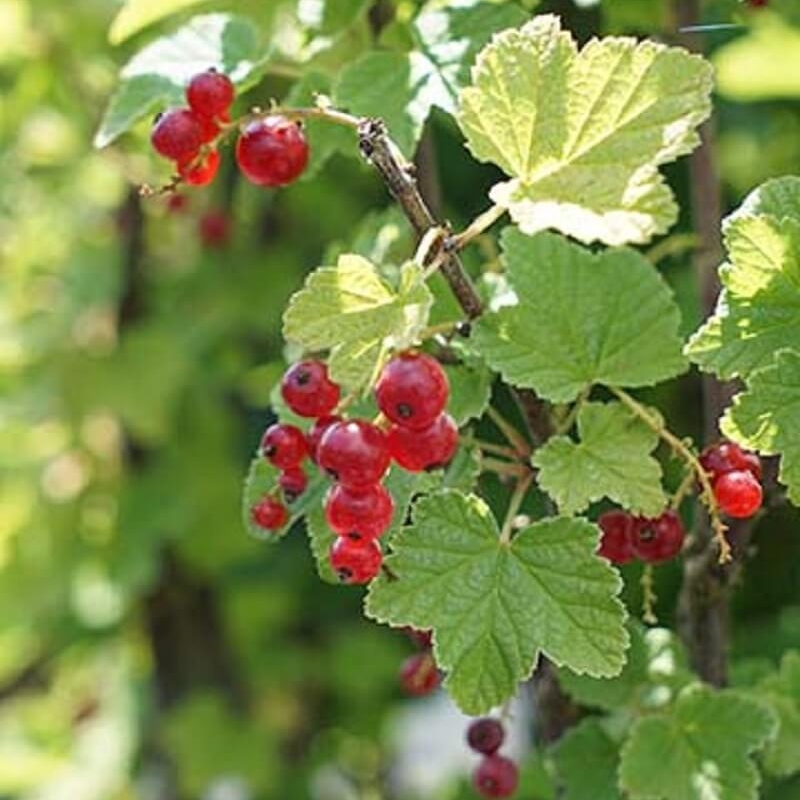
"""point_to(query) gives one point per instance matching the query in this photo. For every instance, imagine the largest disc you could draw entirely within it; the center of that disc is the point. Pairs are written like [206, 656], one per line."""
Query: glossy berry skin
[308, 391]
[658, 539]
[354, 453]
[355, 560]
[315, 434]
[215, 229]
[616, 543]
[496, 776]
[412, 390]
[293, 482]
[177, 134]
[485, 735]
[738, 494]
[200, 171]
[283, 445]
[418, 674]
[210, 93]
[272, 151]
[428, 448]
[359, 513]
[722, 457]
[269, 514]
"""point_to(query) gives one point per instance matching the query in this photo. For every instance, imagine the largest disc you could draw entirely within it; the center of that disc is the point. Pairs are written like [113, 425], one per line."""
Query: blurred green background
[148, 647]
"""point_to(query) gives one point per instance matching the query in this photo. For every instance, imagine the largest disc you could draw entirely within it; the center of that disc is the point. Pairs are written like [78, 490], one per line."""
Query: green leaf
[158, 74]
[587, 759]
[758, 311]
[766, 417]
[612, 459]
[582, 134]
[135, 15]
[470, 389]
[402, 88]
[781, 692]
[351, 311]
[495, 606]
[581, 318]
[700, 748]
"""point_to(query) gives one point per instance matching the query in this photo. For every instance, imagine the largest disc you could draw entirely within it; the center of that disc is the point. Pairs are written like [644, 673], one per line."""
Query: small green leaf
[470, 388]
[612, 459]
[351, 311]
[766, 417]
[781, 692]
[495, 607]
[582, 134]
[135, 15]
[700, 748]
[158, 74]
[758, 311]
[587, 759]
[581, 318]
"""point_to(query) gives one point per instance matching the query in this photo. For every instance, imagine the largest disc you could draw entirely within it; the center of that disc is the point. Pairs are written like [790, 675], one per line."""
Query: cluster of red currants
[418, 673]
[414, 431]
[652, 539]
[496, 775]
[270, 150]
[735, 476]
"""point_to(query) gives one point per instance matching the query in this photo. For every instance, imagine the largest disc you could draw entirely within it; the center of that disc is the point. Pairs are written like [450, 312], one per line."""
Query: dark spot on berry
[404, 410]
[354, 535]
[302, 377]
[345, 574]
[332, 474]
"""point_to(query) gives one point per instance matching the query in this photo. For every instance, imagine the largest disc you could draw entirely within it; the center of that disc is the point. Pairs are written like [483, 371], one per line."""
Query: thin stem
[503, 467]
[569, 420]
[513, 436]
[479, 225]
[649, 597]
[491, 447]
[520, 490]
[681, 449]
[314, 112]
[685, 487]
[437, 330]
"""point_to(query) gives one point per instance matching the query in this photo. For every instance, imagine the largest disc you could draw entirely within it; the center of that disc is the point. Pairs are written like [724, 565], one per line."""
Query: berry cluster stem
[512, 435]
[681, 449]
[520, 490]
[478, 226]
[649, 597]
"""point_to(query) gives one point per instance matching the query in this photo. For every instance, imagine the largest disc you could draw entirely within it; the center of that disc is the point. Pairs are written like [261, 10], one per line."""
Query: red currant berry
[215, 229]
[485, 735]
[354, 453]
[658, 539]
[308, 391]
[412, 390]
[418, 674]
[210, 93]
[201, 170]
[423, 639]
[722, 457]
[283, 445]
[496, 776]
[616, 543]
[757, 3]
[177, 134]
[269, 514]
[355, 560]
[428, 448]
[359, 513]
[272, 151]
[738, 494]
[316, 433]
[293, 482]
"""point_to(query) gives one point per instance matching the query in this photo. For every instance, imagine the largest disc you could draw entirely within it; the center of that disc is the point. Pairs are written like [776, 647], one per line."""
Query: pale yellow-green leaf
[583, 133]
[351, 311]
[135, 15]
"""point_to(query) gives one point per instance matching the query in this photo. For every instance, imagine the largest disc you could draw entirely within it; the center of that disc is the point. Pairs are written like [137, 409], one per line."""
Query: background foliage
[149, 647]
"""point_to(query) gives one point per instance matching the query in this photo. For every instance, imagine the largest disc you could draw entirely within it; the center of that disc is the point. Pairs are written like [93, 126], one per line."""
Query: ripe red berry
[738, 494]
[293, 482]
[431, 447]
[359, 513]
[659, 538]
[616, 543]
[269, 514]
[315, 434]
[418, 674]
[485, 735]
[355, 560]
[412, 390]
[210, 93]
[272, 151]
[496, 776]
[722, 457]
[283, 445]
[201, 170]
[215, 229]
[757, 3]
[354, 453]
[308, 391]
[177, 134]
